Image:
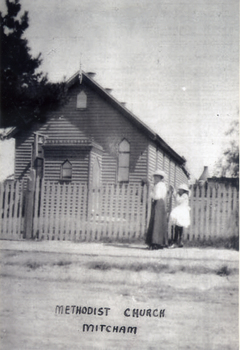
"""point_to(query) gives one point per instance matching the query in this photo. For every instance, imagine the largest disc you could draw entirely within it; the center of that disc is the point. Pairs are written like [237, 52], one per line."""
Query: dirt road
[65, 295]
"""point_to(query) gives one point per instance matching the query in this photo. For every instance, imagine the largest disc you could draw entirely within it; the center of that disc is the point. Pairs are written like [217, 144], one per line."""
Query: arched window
[66, 170]
[81, 100]
[123, 161]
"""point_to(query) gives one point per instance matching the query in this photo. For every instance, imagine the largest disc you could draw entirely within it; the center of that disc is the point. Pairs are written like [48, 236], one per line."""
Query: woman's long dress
[157, 229]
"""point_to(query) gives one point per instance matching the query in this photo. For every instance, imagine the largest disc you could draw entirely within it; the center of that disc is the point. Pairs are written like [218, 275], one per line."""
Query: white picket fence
[74, 211]
[11, 210]
[214, 211]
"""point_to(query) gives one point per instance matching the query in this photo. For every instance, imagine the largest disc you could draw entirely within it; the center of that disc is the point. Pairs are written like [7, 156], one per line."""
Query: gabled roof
[86, 78]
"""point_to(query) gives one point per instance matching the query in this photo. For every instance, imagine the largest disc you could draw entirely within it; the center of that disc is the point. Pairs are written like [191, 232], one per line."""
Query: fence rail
[74, 211]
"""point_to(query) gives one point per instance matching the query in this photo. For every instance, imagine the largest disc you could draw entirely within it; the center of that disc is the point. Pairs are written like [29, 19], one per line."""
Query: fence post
[29, 204]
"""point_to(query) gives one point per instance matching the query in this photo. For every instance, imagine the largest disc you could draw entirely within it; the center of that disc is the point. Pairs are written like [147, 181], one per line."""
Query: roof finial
[80, 71]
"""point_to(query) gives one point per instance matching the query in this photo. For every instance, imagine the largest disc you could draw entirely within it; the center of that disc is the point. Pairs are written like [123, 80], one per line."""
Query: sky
[174, 62]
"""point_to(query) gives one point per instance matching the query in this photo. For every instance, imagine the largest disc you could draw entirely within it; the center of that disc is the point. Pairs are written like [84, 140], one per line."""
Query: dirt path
[194, 291]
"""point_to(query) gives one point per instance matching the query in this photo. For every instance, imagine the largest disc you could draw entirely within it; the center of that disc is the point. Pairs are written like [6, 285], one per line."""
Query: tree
[228, 164]
[25, 91]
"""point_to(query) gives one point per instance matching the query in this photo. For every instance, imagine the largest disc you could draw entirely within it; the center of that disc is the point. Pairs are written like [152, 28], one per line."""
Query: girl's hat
[159, 173]
[184, 187]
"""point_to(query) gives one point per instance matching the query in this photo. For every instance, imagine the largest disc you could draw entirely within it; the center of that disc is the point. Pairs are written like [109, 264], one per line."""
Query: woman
[157, 229]
[180, 215]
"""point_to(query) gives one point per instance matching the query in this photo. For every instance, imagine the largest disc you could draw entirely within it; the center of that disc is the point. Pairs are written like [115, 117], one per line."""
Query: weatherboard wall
[99, 123]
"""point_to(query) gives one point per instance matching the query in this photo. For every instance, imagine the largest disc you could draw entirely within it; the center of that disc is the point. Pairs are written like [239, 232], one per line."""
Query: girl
[157, 229]
[180, 215]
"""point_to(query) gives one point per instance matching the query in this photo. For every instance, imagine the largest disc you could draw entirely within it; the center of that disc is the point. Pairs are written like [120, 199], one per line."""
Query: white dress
[159, 191]
[180, 215]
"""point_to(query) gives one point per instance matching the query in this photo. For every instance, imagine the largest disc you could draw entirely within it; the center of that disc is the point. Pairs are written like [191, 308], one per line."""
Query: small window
[66, 170]
[81, 100]
[123, 161]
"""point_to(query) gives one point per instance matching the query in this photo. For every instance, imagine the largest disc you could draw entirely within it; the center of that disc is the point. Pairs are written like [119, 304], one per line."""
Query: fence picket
[41, 210]
[208, 201]
[218, 210]
[139, 211]
[10, 194]
[223, 212]
[121, 201]
[81, 214]
[5, 211]
[15, 205]
[213, 211]
[144, 211]
[133, 200]
[57, 212]
[202, 230]
[105, 210]
[195, 213]
[11, 208]
[35, 211]
[67, 214]
[235, 197]
[63, 213]
[1, 205]
[131, 212]
[47, 208]
[95, 216]
[111, 211]
[127, 216]
[72, 221]
[86, 205]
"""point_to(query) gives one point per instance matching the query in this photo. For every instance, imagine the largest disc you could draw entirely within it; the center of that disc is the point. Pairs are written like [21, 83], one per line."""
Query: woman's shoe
[173, 246]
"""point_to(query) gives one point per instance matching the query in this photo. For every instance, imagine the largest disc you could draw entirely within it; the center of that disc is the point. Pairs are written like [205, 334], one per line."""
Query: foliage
[228, 164]
[26, 92]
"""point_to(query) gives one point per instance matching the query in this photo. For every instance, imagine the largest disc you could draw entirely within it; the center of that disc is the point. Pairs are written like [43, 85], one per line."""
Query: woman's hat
[159, 173]
[184, 187]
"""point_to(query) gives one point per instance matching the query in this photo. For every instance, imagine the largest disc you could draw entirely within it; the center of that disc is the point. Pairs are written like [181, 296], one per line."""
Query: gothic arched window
[66, 170]
[123, 161]
[81, 100]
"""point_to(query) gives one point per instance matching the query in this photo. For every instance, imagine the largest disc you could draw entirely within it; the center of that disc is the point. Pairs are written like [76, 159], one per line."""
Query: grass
[162, 268]
[216, 242]
[151, 267]
[223, 271]
[33, 265]
[62, 263]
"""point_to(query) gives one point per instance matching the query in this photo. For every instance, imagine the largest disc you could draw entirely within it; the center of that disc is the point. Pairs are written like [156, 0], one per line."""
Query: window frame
[64, 178]
[81, 98]
[126, 166]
